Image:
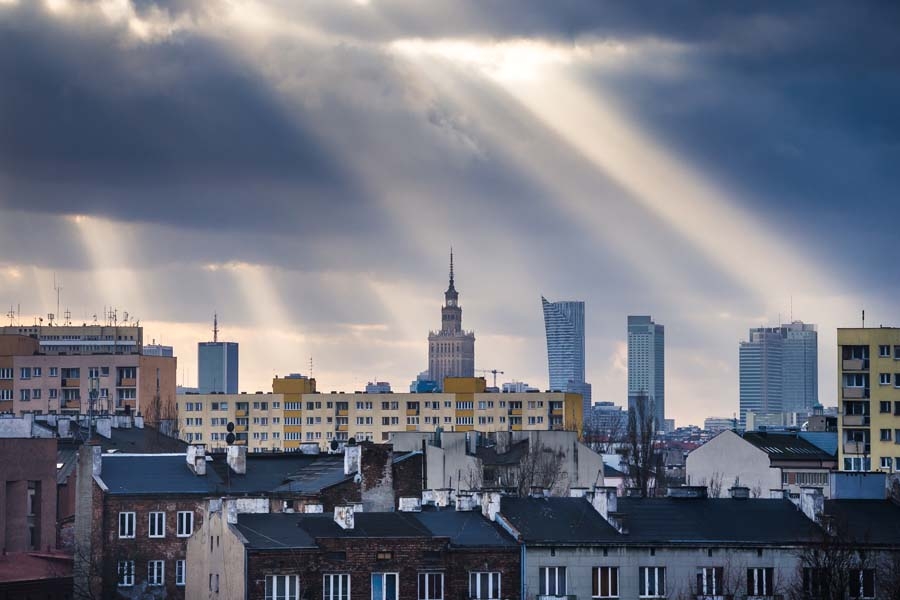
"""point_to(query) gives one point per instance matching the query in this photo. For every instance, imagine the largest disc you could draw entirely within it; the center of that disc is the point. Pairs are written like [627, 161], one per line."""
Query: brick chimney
[739, 492]
[490, 503]
[236, 456]
[196, 458]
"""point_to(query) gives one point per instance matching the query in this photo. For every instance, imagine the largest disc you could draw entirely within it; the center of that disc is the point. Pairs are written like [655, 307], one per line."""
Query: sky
[302, 170]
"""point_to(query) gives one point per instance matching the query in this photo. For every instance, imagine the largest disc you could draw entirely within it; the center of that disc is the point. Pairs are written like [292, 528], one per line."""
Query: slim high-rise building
[217, 365]
[646, 364]
[779, 370]
[451, 351]
[564, 326]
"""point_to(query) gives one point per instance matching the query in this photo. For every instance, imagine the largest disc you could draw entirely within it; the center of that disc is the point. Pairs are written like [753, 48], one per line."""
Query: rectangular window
[336, 586]
[884, 407]
[36, 394]
[484, 585]
[156, 572]
[884, 378]
[652, 582]
[282, 587]
[6, 373]
[54, 372]
[709, 581]
[886, 462]
[885, 435]
[884, 351]
[552, 581]
[862, 583]
[36, 372]
[431, 586]
[24, 395]
[179, 572]
[126, 526]
[25, 373]
[185, 523]
[125, 570]
[384, 586]
[759, 582]
[157, 524]
[605, 582]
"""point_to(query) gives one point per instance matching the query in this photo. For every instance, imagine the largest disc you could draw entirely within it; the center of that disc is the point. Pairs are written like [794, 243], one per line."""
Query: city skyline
[302, 169]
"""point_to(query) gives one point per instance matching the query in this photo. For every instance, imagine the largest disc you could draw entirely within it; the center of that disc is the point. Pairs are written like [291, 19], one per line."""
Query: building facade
[564, 328]
[451, 350]
[295, 414]
[647, 364]
[82, 339]
[217, 367]
[869, 398]
[779, 370]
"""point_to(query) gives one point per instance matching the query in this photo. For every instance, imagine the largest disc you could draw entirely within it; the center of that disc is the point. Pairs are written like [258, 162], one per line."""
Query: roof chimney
[196, 458]
[96, 458]
[465, 502]
[812, 502]
[490, 503]
[351, 460]
[778, 494]
[740, 492]
[344, 515]
[237, 459]
[687, 491]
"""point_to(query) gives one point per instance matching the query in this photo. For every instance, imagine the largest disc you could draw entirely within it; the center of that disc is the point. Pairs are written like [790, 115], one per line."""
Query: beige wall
[726, 458]
[262, 427]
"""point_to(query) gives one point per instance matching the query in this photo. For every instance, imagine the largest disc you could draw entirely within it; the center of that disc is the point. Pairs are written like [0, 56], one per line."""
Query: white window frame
[180, 572]
[156, 573]
[338, 584]
[612, 580]
[125, 573]
[126, 525]
[884, 379]
[858, 593]
[156, 524]
[886, 462]
[284, 593]
[426, 575]
[759, 581]
[659, 583]
[709, 581]
[384, 577]
[547, 589]
[185, 523]
[493, 584]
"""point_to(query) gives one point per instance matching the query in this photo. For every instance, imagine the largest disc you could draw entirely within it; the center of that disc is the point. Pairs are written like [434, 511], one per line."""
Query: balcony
[412, 412]
[342, 412]
[855, 420]
[515, 411]
[240, 413]
[857, 448]
[126, 382]
[855, 392]
[855, 364]
[342, 427]
[72, 404]
[240, 428]
[70, 383]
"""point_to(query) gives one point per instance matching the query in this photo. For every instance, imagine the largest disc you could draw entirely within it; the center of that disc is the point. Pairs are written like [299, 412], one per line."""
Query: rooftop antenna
[215, 327]
[68, 316]
[310, 367]
[792, 308]
[12, 315]
[864, 318]
[57, 288]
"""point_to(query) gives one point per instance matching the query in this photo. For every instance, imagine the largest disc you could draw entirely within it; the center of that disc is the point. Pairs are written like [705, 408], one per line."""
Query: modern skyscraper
[779, 370]
[217, 365]
[451, 351]
[646, 364]
[564, 326]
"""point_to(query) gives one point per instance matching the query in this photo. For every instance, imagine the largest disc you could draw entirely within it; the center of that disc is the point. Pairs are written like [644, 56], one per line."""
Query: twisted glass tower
[564, 324]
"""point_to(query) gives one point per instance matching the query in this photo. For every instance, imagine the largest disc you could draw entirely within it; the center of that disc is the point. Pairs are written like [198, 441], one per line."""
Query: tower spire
[451, 266]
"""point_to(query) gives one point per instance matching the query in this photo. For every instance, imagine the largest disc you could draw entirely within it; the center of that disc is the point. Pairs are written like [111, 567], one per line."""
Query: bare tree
[641, 460]
[833, 566]
[541, 466]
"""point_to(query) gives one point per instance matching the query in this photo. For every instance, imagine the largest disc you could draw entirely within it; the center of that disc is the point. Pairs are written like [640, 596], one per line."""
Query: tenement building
[296, 414]
[451, 350]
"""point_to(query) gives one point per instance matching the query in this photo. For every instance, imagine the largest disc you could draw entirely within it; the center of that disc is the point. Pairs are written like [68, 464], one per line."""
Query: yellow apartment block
[869, 399]
[290, 416]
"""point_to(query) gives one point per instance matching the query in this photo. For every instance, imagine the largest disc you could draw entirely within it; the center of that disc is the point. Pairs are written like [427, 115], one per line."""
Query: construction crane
[493, 372]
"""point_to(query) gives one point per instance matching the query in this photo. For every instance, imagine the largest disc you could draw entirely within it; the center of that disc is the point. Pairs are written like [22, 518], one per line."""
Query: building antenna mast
[57, 288]
[310, 367]
[864, 318]
[215, 327]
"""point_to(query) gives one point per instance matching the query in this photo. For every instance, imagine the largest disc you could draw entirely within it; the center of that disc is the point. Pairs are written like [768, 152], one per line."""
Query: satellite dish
[229, 439]
[334, 445]
[229, 427]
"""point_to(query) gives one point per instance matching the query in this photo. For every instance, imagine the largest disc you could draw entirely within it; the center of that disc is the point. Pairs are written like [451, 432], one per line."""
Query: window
[126, 526]
[157, 524]
[6, 373]
[125, 572]
[185, 523]
[484, 585]
[156, 572]
[24, 395]
[36, 394]
[384, 586]
[885, 435]
[54, 372]
[886, 462]
[884, 351]
[709, 581]
[282, 587]
[652, 582]
[896, 352]
[179, 572]
[336, 586]
[605, 582]
[862, 583]
[25, 373]
[759, 582]
[813, 582]
[552, 581]
[104, 371]
[431, 586]
[36, 372]
[884, 378]
[857, 463]
[8, 394]
[384, 555]
[884, 407]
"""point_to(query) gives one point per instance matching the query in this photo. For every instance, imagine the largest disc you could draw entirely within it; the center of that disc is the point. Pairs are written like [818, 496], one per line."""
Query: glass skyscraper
[217, 367]
[779, 370]
[564, 325]
[646, 365]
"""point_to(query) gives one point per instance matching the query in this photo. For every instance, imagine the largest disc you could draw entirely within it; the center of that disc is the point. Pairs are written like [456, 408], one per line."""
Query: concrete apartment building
[82, 339]
[295, 414]
[869, 399]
